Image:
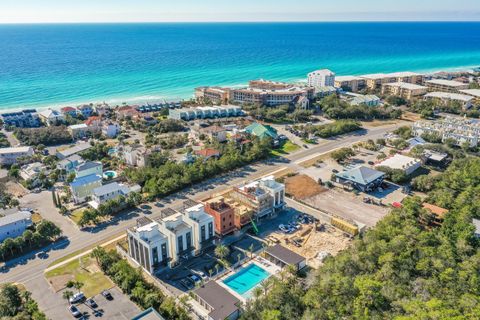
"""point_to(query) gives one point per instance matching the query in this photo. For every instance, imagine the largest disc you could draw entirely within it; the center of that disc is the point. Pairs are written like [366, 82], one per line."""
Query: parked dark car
[107, 295]
[91, 303]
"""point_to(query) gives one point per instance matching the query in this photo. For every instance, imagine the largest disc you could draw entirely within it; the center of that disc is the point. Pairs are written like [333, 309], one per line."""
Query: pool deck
[260, 262]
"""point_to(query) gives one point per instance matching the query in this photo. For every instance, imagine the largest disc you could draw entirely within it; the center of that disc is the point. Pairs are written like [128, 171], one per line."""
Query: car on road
[77, 297]
[91, 303]
[371, 163]
[41, 255]
[74, 311]
[107, 295]
[334, 170]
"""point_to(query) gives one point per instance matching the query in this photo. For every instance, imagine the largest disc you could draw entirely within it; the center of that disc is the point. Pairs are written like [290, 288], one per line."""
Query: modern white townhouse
[169, 239]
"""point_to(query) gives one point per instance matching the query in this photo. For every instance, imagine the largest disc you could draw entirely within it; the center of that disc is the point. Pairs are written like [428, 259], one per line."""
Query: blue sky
[25, 11]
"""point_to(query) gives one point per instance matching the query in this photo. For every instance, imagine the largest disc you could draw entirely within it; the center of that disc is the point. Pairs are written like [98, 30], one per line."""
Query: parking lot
[118, 308]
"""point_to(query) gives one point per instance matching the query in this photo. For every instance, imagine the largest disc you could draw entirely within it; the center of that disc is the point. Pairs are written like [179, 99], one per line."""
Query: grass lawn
[288, 147]
[77, 215]
[93, 279]
[36, 217]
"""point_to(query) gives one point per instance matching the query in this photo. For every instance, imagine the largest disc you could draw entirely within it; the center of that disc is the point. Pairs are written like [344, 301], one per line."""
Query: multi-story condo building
[171, 238]
[350, 83]
[445, 98]
[445, 85]
[265, 196]
[263, 84]
[23, 119]
[214, 94]
[9, 156]
[271, 97]
[321, 78]
[404, 89]
[375, 81]
[459, 130]
[223, 214]
[475, 93]
[263, 92]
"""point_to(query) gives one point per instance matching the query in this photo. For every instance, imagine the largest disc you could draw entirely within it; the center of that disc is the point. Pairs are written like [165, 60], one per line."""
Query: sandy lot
[348, 206]
[329, 240]
[302, 186]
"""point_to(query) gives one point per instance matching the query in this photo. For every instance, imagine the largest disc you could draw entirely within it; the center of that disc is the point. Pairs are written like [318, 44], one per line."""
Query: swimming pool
[246, 279]
[107, 175]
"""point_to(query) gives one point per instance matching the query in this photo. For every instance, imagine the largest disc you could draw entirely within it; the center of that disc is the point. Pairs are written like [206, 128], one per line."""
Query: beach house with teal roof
[262, 131]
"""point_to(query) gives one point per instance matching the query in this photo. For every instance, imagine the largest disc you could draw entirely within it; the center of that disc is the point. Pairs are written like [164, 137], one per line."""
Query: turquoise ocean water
[55, 65]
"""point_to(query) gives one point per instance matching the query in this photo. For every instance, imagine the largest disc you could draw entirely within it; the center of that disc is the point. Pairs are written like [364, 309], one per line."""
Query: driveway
[43, 203]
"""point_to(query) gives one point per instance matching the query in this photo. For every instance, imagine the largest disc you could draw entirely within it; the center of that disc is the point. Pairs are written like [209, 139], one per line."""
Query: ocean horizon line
[36, 23]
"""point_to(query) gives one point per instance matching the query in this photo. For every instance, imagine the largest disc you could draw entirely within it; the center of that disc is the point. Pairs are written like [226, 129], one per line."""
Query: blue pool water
[61, 64]
[246, 279]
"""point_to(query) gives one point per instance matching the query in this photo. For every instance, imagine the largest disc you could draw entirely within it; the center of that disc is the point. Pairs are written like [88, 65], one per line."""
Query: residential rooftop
[451, 96]
[219, 299]
[443, 82]
[285, 255]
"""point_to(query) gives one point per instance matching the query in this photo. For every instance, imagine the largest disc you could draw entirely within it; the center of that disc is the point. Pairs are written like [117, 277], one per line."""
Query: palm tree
[67, 294]
[265, 284]
[250, 250]
[217, 267]
[210, 272]
[97, 253]
[239, 256]
[221, 251]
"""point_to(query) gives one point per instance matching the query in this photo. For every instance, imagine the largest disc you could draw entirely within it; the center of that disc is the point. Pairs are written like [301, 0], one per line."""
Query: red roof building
[208, 153]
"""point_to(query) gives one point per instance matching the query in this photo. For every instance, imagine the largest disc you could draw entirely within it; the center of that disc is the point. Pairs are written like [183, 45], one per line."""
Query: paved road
[29, 270]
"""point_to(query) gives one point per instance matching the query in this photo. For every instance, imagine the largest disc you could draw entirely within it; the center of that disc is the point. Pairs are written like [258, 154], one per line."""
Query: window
[164, 252]
[155, 255]
[210, 229]
[180, 243]
[189, 240]
[202, 233]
